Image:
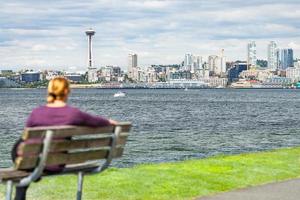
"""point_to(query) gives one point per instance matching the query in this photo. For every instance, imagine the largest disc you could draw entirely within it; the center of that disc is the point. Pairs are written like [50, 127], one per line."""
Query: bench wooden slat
[15, 175]
[23, 163]
[66, 145]
[12, 174]
[68, 131]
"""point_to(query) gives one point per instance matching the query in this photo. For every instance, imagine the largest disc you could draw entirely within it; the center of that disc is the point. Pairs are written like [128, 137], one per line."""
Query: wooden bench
[86, 150]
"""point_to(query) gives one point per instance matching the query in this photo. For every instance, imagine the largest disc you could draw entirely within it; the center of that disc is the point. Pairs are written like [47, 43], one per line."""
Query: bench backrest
[71, 144]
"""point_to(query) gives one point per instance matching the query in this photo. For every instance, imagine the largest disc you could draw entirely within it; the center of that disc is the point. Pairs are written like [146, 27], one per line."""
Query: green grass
[178, 180]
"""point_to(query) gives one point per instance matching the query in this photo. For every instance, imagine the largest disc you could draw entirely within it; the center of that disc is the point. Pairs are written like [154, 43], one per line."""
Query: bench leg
[9, 190]
[79, 185]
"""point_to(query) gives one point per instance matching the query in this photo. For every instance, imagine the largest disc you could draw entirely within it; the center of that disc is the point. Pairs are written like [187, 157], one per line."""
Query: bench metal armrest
[115, 137]
[38, 171]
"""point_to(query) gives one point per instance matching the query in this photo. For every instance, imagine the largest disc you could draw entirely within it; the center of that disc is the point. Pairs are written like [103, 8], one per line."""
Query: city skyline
[160, 32]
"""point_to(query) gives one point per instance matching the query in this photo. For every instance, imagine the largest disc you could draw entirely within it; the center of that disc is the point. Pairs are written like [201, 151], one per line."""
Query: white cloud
[52, 33]
[293, 45]
[40, 47]
[34, 62]
[150, 4]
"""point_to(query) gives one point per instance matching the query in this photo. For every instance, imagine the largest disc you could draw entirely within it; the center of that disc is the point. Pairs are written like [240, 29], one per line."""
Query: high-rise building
[192, 63]
[284, 58]
[132, 64]
[92, 71]
[212, 63]
[217, 64]
[272, 61]
[222, 69]
[188, 62]
[197, 64]
[251, 51]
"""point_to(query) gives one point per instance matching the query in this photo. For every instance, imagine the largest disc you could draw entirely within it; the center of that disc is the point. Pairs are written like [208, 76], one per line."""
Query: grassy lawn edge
[177, 180]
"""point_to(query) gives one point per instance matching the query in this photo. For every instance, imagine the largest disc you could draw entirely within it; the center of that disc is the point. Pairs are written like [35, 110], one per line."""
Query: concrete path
[287, 190]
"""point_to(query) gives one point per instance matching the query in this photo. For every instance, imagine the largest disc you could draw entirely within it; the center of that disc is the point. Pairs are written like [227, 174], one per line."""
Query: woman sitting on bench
[57, 112]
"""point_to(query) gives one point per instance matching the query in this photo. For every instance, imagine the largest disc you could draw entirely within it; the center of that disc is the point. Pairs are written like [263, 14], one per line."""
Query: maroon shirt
[67, 115]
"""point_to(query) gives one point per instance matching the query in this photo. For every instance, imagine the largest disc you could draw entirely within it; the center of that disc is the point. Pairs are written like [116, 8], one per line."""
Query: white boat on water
[220, 87]
[120, 94]
[241, 84]
[186, 89]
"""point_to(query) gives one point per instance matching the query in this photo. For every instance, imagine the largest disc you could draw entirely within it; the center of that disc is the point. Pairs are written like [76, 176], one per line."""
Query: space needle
[92, 71]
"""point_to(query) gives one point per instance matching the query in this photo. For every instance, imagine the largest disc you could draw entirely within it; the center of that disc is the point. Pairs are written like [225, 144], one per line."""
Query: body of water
[171, 125]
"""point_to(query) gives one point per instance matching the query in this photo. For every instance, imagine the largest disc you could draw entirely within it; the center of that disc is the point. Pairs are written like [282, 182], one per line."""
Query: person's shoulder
[36, 112]
[38, 109]
[73, 109]
[78, 112]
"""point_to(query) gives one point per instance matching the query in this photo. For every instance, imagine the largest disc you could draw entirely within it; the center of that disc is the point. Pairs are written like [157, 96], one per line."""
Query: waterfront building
[117, 72]
[74, 77]
[272, 61]
[135, 74]
[30, 76]
[111, 74]
[293, 73]
[6, 72]
[151, 75]
[106, 73]
[205, 73]
[92, 71]
[6, 82]
[52, 74]
[257, 74]
[235, 69]
[249, 74]
[168, 70]
[251, 54]
[278, 81]
[141, 75]
[184, 83]
[263, 75]
[202, 73]
[284, 58]
[92, 75]
[182, 75]
[215, 82]
[120, 79]
[132, 65]
[163, 71]
[297, 64]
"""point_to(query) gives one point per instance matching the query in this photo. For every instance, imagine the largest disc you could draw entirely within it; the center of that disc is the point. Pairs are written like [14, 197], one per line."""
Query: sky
[50, 34]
